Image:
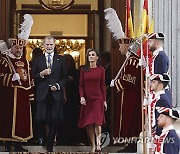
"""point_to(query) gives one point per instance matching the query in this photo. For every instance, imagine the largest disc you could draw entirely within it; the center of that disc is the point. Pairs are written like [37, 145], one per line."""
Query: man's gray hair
[49, 37]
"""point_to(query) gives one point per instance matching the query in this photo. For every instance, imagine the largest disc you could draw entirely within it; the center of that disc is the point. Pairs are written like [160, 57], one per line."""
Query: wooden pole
[142, 100]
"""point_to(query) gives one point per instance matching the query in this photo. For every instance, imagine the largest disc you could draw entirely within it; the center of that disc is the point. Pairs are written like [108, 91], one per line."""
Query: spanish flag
[144, 28]
[151, 28]
[129, 24]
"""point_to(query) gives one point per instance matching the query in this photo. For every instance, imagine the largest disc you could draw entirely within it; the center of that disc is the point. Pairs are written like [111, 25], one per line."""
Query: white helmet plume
[26, 27]
[113, 23]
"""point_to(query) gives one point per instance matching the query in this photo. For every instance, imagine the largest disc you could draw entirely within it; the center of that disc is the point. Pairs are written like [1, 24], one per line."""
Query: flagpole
[142, 100]
[142, 93]
[147, 106]
[147, 97]
[126, 24]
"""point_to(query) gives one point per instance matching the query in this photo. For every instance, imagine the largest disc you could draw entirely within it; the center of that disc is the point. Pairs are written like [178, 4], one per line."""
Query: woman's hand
[105, 105]
[83, 101]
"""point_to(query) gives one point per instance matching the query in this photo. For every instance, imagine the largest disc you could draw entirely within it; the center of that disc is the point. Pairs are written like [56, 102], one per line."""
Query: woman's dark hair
[86, 67]
[68, 57]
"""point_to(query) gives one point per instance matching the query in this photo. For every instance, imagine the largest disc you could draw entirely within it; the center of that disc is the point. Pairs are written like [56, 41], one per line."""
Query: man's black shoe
[49, 149]
[19, 148]
[8, 148]
[41, 141]
[131, 148]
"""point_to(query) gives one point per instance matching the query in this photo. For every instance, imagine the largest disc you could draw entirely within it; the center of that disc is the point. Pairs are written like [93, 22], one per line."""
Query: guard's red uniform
[15, 109]
[128, 115]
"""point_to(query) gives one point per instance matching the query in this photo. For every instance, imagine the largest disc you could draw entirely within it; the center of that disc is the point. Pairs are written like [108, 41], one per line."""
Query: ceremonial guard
[160, 61]
[158, 98]
[168, 142]
[128, 84]
[15, 90]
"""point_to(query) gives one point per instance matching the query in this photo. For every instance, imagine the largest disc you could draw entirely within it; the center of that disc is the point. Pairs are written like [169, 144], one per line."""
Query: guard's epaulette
[133, 61]
[6, 78]
[3, 61]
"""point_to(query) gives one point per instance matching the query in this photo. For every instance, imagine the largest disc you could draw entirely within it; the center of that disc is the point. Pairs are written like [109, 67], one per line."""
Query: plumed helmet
[25, 31]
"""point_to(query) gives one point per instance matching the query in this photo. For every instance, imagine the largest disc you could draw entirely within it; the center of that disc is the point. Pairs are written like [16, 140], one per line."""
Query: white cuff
[42, 76]
[58, 86]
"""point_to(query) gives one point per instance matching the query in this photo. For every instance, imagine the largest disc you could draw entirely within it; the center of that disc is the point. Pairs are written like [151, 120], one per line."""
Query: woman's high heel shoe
[93, 149]
[98, 148]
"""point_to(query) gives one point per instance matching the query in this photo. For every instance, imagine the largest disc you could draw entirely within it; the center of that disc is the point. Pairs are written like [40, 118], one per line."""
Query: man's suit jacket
[58, 75]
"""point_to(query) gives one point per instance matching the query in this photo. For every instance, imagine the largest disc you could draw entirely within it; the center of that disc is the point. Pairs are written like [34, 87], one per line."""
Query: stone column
[167, 20]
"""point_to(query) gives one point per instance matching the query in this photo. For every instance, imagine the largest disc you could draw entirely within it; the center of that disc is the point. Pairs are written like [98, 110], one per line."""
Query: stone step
[40, 149]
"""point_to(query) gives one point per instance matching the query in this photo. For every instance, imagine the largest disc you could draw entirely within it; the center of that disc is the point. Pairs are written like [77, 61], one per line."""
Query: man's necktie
[49, 61]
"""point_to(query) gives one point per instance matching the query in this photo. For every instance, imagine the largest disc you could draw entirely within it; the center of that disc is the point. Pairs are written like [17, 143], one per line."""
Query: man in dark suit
[50, 76]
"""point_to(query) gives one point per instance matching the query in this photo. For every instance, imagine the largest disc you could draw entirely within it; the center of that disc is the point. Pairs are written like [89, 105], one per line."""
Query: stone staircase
[84, 149]
[67, 149]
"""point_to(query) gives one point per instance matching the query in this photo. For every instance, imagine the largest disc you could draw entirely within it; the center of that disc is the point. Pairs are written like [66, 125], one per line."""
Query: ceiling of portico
[93, 3]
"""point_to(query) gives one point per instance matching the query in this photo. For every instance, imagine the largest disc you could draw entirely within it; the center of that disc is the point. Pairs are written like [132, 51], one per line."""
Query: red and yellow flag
[151, 27]
[129, 24]
[144, 28]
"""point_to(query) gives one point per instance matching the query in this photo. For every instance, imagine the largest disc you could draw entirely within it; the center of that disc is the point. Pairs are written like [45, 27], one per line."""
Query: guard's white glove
[142, 62]
[147, 101]
[112, 83]
[15, 77]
